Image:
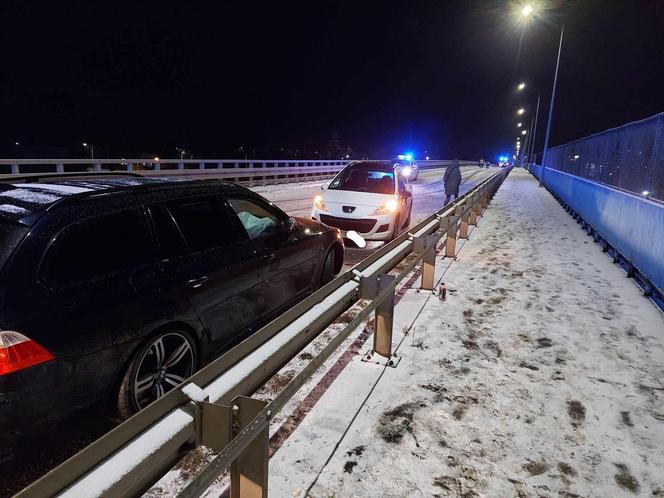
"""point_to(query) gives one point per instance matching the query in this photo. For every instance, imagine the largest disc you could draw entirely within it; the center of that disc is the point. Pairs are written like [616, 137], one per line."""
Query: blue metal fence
[630, 157]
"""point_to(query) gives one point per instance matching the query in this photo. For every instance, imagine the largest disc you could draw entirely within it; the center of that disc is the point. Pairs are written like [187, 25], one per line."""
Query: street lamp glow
[85, 144]
[521, 86]
[518, 125]
[527, 11]
[524, 132]
[156, 158]
[521, 111]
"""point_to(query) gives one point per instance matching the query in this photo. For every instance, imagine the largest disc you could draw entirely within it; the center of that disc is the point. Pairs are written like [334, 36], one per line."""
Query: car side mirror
[292, 225]
[323, 186]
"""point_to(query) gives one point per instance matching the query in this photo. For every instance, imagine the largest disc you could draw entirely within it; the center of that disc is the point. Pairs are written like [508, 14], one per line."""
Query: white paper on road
[356, 238]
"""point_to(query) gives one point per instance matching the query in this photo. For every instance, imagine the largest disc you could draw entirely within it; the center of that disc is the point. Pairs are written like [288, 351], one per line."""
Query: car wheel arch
[196, 335]
[338, 257]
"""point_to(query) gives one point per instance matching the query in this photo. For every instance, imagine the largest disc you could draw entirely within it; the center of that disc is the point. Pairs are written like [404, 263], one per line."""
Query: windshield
[364, 179]
[10, 236]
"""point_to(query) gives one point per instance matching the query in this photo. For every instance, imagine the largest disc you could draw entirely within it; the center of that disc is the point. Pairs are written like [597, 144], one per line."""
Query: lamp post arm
[553, 99]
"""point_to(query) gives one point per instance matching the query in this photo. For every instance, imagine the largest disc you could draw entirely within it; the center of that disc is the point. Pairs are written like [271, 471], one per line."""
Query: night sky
[146, 77]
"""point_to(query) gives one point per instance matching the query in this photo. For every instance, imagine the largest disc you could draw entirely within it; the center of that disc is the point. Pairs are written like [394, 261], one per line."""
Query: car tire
[397, 228]
[327, 274]
[410, 212]
[167, 358]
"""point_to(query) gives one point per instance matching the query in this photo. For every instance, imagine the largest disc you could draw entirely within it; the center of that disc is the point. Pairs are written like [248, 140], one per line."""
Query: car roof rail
[38, 177]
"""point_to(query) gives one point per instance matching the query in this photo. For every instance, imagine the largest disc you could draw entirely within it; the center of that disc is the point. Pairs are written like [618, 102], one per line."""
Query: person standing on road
[452, 180]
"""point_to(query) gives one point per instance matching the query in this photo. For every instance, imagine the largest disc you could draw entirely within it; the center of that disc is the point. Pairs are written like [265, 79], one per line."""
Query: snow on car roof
[21, 199]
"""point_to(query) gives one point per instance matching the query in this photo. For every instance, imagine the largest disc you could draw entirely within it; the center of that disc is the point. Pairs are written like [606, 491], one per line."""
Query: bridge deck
[541, 374]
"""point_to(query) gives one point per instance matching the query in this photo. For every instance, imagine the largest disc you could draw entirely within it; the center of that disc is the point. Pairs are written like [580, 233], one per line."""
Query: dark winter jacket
[452, 178]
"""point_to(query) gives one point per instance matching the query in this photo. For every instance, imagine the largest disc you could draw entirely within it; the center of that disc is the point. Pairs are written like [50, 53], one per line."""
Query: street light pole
[92, 149]
[553, 99]
[534, 128]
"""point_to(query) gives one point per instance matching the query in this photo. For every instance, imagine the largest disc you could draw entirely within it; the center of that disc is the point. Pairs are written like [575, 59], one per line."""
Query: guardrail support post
[485, 203]
[130, 166]
[463, 229]
[180, 166]
[474, 208]
[249, 472]
[450, 244]
[59, 167]
[427, 245]
[15, 170]
[370, 287]
[97, 166]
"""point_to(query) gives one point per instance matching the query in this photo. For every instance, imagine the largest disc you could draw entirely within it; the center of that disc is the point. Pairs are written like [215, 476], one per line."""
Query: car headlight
[319, 203]
[407, 171]
[389, 207]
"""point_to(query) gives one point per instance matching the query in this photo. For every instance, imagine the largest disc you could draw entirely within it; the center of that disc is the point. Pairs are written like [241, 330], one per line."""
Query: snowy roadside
[285, 421]
[542, 374]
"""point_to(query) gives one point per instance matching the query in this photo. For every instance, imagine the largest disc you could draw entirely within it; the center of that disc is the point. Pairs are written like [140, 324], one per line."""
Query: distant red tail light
[18, 352]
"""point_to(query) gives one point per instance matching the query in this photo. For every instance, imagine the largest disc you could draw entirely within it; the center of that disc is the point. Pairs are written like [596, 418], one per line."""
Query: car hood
[358, 203]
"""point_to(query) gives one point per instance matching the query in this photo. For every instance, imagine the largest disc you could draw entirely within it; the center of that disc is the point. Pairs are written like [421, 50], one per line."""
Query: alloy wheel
[167, 362]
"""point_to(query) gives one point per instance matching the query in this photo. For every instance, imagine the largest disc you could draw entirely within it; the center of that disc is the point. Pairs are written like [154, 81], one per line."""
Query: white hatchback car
[370, 198]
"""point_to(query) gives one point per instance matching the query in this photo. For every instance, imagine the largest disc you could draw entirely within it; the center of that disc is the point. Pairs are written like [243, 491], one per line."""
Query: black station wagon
[115, 288]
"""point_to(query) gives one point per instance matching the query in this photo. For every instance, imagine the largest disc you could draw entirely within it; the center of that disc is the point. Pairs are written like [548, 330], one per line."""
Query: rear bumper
[37, 399]
[28, 400]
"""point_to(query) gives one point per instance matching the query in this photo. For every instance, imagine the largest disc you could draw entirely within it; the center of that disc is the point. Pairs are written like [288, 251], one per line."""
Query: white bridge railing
[247, 171]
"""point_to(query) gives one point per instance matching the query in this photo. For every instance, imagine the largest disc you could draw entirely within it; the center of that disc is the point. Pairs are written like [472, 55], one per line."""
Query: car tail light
[18, 352]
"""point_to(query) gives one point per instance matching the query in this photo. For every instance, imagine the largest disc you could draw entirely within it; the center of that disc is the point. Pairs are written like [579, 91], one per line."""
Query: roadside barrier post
[474, 208]
[223, 428]
[450, 245]
[463, 218]
[249, 471]
[370, 287]
[427, 244]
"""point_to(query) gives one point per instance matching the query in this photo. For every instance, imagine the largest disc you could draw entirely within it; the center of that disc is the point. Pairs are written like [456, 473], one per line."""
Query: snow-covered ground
[541, 374]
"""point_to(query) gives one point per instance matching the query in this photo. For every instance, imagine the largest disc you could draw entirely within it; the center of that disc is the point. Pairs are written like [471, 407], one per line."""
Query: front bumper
[369, 227]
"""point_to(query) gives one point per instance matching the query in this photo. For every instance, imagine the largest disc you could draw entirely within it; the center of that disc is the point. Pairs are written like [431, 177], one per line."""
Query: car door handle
[195, 283]
[270, 256]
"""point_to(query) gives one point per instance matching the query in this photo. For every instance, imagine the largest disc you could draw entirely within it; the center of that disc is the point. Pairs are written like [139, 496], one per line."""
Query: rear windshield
[375, 179]
[11, 235]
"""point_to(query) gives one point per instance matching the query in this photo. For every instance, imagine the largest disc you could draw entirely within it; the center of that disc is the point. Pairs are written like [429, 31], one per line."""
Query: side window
[204, 223]
[169, 238]
[99, 246]
[257, 220]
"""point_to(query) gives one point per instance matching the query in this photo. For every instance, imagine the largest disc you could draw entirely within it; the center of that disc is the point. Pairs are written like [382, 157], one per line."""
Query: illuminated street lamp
[526, 14]
[523, 132]
[518, 125]
[92, 149]
[533, 123]
[521, 111]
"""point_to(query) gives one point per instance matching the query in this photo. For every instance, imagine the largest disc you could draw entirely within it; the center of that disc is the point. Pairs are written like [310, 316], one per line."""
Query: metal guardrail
[213, 408]
[248, 172]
